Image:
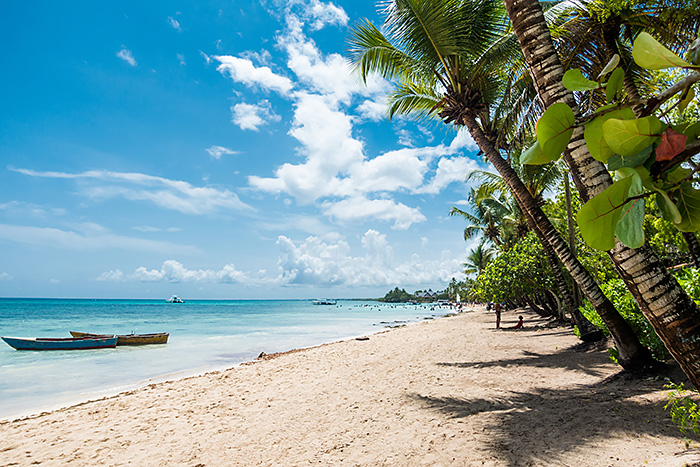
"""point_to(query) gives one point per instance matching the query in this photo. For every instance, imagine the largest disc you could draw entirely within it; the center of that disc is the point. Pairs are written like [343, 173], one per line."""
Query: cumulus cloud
[174, 271]
[242, 70]
[325, 263]
[217, 151]
[126, 55]
[168, 194]
[359, 209]
[253, 116]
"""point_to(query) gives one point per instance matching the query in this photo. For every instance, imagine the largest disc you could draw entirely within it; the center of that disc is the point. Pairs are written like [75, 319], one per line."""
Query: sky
[214, 149]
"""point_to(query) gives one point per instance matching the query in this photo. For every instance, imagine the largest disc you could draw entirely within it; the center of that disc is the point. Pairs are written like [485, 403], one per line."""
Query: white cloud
[85, 237]
[5, 277]
[126, 55]
[243, 71]
[373, 110]
[323, 263]
[449, 171]
[173, 271]
[253, 116]
[217, 151]
[359, 208]
[181, 59]
[169, 194]
[325, 14]
[114, 275]
[175, 24]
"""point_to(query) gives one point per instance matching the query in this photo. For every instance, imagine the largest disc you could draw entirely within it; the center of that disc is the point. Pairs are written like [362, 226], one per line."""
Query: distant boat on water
[324, 302]
[130, 339]
[61, 343]
[175, 299]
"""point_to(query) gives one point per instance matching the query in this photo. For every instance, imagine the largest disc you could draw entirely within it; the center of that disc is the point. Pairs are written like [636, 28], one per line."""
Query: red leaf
[672, 144]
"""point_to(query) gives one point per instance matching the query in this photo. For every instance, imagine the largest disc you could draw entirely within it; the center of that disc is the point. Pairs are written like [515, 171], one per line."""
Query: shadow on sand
[538, 426]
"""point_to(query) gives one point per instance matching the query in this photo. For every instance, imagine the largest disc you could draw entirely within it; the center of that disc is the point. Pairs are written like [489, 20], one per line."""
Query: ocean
[205, 335]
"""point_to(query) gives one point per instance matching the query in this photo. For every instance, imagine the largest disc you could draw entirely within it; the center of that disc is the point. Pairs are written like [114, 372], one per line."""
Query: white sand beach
[445, 392]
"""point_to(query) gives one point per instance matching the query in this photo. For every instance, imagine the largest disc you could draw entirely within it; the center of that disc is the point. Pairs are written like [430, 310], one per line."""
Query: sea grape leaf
[630, 227]
[614, 61]
[629, 137]
[688, 203]
[593, 133]
[672, 143]
[668, 208]
[691, 130]
[677, 175]
[616, 161]
[614, 86]
[554, 130]
[574, 80]
[686, 99]
[534, 156]
[598, 218]
[650, 54]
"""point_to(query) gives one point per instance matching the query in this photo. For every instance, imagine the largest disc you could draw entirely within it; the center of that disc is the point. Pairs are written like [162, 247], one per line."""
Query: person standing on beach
[498, 309]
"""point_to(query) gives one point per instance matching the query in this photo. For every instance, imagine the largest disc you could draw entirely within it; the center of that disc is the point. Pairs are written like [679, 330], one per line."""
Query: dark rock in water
[262, 354]
[362, 338]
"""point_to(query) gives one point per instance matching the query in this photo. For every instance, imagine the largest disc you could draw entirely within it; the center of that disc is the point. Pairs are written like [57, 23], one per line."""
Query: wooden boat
[61, 343]
[130, 339]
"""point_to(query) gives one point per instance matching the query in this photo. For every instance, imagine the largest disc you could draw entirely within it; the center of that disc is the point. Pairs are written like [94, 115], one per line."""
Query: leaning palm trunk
[633, 355]
[672, 313]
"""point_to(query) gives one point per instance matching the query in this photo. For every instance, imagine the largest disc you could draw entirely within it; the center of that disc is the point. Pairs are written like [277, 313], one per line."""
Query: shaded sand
[451, 391]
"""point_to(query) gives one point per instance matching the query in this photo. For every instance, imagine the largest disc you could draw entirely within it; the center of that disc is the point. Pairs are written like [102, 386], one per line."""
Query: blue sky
[217, 149]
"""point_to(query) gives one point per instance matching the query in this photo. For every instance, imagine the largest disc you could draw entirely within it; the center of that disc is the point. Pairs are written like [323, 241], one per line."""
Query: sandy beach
[449, 391]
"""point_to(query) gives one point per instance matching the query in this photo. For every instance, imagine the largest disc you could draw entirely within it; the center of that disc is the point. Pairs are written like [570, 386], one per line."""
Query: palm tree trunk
[633, 355]
[673, 314]
[693, 247]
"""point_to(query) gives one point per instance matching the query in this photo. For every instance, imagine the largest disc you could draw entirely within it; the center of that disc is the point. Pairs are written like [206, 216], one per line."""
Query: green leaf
[534, 156]
[598, 218]
[687, 99]
[554, 130]
[614, 61]
[668, 208]
[593, 133]
[574, 80]
[630, 227]
[688, 203]
[616, 161]
[614, 86]
[629, 137]
[649, 54]
[691, 130]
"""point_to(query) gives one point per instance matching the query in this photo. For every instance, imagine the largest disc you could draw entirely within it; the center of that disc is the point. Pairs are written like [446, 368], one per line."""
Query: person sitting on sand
[520, 323]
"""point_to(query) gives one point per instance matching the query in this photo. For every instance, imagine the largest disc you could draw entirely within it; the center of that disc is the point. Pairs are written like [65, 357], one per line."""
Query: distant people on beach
[498, 308]
[520, 323]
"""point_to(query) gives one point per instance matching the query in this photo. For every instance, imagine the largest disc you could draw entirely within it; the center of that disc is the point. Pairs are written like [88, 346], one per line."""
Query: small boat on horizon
[175, 299]
[129, 339]
[61, 343]
[324, 302]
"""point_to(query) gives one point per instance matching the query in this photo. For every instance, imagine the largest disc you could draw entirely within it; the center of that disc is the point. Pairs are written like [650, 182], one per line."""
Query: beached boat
[175, 299]
[130, 339]
[61, 343]
[324, 302]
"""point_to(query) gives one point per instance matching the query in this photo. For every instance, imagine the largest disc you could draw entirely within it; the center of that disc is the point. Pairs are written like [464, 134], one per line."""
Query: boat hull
[130, 339]
[68, 343]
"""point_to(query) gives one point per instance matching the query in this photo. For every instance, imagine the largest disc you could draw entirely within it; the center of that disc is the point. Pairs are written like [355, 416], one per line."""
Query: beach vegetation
[684, 408]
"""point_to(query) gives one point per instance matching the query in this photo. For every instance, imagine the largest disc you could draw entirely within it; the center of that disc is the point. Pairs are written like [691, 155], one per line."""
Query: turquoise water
[204, 335]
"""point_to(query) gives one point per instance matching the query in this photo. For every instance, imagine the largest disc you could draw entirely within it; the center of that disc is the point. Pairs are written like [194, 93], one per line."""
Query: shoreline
[449, 391]
[179, 375]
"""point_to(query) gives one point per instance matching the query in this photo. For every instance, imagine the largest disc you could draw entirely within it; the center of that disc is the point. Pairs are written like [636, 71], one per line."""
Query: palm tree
[673, 314]
[442, 56]
[478, 259]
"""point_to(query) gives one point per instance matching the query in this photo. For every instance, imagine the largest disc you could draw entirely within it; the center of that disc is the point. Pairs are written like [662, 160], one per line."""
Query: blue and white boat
[60, 343]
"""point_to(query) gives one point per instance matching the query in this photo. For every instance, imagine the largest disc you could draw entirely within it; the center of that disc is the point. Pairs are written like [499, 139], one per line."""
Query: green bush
[689, 279]
[684, 410]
